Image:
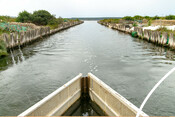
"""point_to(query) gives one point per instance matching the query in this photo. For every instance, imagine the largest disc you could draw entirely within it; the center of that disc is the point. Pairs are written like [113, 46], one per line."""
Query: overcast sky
[90, 8]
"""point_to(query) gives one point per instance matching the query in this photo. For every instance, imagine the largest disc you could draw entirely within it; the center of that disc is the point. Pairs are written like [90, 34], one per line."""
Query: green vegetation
[55, 22]
[77, 20]
[3, 50]
[3, 31]
[7, 19]
[135, 24]
[43, 17]
[138, 19]
[110, 20]
[40, 17]
[156, 17]
[149, 22]
[147, 17]
[129, 18]
[24, 17]
[164, 29]
[170, 17]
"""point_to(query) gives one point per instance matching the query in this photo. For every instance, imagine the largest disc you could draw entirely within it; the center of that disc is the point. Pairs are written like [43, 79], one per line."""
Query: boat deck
[84, 107]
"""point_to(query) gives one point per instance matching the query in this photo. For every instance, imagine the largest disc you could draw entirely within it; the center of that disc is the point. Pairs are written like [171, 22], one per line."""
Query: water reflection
[17, 56]
[158, 52]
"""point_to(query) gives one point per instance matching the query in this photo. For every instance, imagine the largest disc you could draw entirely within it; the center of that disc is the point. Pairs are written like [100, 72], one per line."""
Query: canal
[130, 66]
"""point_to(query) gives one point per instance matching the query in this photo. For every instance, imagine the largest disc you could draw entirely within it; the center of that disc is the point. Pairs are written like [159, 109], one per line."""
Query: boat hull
[56, 104]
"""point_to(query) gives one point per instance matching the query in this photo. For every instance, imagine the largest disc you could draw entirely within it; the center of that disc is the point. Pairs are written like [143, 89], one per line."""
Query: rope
[152, 91]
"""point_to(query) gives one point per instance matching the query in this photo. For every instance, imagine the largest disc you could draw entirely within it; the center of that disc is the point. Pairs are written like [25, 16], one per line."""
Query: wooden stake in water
[13, 59]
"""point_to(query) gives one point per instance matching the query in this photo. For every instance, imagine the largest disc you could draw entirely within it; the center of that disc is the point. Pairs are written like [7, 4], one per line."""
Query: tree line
[39, 17]
[138, 17]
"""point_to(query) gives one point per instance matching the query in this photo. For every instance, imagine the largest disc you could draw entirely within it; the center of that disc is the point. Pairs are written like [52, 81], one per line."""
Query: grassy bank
[143, 20]
[110, 21]
[3, 50]
[39, 18]
[3, 31]
[60, 21]
[164, 29]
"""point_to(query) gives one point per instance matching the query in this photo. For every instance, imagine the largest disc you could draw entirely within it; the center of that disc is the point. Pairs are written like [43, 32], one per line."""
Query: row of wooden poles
[119, 27]
[163, 39]
[156, 37]
[13, 40]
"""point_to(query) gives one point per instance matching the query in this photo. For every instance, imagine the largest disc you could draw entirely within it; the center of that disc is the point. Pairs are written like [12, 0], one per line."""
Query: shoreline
[22, 39]
[152, 36]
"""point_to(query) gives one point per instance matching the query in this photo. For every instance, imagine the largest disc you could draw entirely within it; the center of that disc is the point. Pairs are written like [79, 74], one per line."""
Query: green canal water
[130, 66]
